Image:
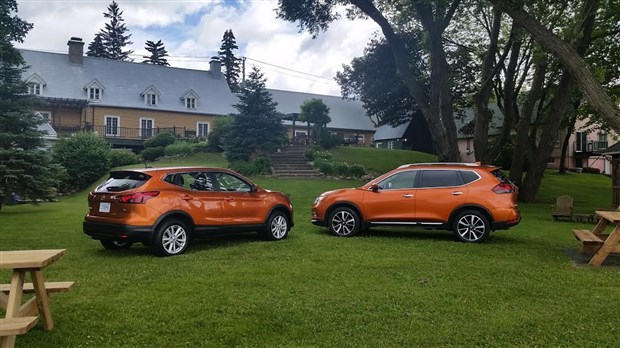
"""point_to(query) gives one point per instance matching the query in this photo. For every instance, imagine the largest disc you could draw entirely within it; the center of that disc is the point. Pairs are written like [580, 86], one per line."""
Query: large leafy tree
[229, 61]
[25, 169]
[257, 129]
[316, 112]
[158, 53]
[114, 36]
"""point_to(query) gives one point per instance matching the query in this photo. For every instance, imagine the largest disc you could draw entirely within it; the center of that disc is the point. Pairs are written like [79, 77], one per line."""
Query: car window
[123, 180]
[440, 178]
[469, 176]
[228, 182]
[400, 180]
[501, 176]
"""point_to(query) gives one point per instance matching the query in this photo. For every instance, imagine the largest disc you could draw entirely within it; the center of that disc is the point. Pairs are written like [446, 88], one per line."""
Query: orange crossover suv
[166, 208]
[467, 198]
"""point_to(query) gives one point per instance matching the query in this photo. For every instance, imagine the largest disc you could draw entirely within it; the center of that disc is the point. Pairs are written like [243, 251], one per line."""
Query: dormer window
[190, 100]
[94, 90]
[151, 96]
[35, 84]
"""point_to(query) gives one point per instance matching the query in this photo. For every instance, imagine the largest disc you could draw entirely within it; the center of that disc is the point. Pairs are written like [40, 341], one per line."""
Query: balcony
[124, 135]
[589, 147]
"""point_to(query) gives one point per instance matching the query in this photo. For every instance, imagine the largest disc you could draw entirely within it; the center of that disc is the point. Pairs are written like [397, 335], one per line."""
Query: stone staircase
[290, 162]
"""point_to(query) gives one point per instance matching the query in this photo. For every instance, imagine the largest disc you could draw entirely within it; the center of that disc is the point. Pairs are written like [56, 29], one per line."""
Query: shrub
[221, 125]
[122, 157]
[324, 166]
[329, 140]
[244, 168]
[152, 153]
[160, 140]
[591, 170]
[357, 170]
[200, 147]
[341, 168]
[179, 148]
[263, 165]
[85, 156]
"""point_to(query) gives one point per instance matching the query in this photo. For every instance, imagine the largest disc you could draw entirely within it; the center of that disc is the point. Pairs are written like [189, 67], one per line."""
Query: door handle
[187, 197]
[456, 193]
[408, 195]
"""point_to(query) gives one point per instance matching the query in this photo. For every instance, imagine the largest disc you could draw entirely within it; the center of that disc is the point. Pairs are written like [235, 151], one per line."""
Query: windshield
[123, 180]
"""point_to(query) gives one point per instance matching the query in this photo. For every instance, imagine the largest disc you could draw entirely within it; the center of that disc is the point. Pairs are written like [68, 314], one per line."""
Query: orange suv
[166, 208]
[467, 198]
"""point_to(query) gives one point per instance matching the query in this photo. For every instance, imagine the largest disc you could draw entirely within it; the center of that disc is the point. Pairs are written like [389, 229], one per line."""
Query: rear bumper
[132, 234]
[504, 225]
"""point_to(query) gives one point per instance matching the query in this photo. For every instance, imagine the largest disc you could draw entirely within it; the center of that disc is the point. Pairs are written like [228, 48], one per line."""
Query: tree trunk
[569, 131]
[569, 57]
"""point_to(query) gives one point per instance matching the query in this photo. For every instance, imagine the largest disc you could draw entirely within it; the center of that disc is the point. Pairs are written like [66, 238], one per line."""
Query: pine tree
[229, 61]
[96, 48]
[25, 169]
[113, 36]
[158, 52]
[257, 129]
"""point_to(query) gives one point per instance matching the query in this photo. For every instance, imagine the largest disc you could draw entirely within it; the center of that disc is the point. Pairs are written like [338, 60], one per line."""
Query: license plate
[104, 207]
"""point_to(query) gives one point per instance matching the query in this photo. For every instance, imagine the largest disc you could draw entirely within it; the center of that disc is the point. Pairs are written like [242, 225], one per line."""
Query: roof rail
[440, 163]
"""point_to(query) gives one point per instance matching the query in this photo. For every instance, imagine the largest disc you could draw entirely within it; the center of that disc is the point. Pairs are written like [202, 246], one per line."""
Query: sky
[192, 31]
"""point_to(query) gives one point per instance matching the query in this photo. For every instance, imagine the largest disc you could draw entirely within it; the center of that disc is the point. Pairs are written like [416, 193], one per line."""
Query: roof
[123, 82]
[495, 125]
[612, 150]
[386, 131]
[345, 114]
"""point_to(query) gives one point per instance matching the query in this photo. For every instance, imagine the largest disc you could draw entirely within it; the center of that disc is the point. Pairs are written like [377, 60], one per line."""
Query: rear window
[122, 181]
[501, 177]
[469, 176]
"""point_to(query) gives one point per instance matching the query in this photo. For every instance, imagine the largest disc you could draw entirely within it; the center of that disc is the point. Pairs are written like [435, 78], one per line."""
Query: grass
[379, 160]
[392, 287]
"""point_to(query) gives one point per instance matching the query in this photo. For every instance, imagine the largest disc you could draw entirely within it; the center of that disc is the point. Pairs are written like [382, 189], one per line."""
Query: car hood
[329, 193]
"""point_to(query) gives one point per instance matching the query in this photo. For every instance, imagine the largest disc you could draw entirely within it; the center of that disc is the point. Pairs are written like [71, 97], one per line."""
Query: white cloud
[192, 32]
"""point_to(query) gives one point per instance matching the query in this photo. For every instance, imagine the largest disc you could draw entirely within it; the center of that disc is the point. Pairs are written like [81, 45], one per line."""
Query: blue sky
[192, 31]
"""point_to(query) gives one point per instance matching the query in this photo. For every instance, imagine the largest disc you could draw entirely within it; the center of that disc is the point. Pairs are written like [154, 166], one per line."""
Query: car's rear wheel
[471, 226]
[112, 244]
[171, 238]
[277, 226]
[344, 222]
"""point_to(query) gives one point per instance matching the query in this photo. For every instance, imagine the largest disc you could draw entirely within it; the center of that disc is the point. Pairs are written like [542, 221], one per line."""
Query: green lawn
[393, 287]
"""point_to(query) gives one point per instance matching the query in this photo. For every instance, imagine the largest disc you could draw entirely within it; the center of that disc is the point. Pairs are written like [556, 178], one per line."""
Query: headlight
[318, 200]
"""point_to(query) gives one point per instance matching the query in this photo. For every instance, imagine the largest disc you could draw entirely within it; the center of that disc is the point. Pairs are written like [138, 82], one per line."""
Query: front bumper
[132, 234]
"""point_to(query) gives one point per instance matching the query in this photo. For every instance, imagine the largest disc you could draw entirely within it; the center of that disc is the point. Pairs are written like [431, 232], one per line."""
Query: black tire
[277, 226]
[112, 244]
[344, 222]
[172, 238]
[471, 226]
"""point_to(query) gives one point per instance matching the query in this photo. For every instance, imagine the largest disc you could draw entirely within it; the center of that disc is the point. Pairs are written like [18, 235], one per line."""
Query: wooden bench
[13, 327]
[591, 242]
[50, 287]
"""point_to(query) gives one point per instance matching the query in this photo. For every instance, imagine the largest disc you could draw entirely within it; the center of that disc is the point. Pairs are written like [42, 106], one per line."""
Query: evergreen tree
[113, 36]
[257, 129]
[25, 170]
[96, 48]
[229, 61]
[158, 52]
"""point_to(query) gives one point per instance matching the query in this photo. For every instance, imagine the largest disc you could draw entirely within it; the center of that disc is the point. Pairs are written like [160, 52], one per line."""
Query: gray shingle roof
[387, 132]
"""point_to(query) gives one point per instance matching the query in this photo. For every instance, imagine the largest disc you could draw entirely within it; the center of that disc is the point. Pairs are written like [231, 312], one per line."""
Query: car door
[204, 205]
[393, 201]
[438, 193]
[241, 205]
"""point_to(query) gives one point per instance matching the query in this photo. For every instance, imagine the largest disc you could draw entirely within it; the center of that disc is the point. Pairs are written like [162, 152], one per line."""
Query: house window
[94, 93]
[112, 126]
[581, 142]
[602, 141]
[202, 129]
[361, 139]
[34, 88]
[391, 145]
[151, 99]
[47, 116]
[190, 103]
[146, 127]
[378, 145]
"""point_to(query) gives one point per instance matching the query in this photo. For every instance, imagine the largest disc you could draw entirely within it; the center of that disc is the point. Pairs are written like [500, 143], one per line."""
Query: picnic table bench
[596, 241]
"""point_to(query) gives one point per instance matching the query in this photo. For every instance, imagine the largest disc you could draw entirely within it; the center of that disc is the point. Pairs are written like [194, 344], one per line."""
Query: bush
[317, 152]
[329, 140]
[341, 169]
[85, 156]
[180, 148]
[357, 170]
[221, 125]
[324, 166]
[263, 165]
[160, 140]
[152, 153]
[591, 170]
[244, 168]
[200, 147]
[122, 157]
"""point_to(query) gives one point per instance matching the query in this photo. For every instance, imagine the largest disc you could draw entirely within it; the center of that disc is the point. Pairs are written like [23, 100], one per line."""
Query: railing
[589, 146]
[125, 132]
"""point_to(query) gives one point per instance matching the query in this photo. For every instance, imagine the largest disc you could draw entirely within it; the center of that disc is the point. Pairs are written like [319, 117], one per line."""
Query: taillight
[137, 198]
[504, 188]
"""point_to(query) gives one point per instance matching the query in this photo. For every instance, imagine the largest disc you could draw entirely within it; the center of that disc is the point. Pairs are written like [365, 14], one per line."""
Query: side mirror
[373, 187]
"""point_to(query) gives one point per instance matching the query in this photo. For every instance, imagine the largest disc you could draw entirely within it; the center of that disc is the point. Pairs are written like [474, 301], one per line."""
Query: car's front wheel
[344, 222]
[471, 226]
[171, 238]
[112, 244]
[277, 226]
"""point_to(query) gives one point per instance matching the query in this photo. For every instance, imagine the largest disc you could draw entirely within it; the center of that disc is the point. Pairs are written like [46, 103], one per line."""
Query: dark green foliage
[152, 153]
[122, 157]
[317, 152]
[263, 165]
[357, 170]
[96, 48]
[201, 146]
[257, 129]
[324, 166]
[160, 140]
[221, 125]
[85, 156]
[342, 168]
[327, 139]
[315, 112]
[229, 61]
[25, 169]
[157, 51]
[113, 37]
[260, 166]
[179, 148]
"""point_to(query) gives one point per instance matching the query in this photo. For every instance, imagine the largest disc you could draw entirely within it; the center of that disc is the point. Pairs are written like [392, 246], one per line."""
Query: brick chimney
[215, 67]
[76, 50]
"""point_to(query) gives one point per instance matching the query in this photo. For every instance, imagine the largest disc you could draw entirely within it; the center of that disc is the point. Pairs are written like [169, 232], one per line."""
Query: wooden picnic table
[597, 241]
[22, 262]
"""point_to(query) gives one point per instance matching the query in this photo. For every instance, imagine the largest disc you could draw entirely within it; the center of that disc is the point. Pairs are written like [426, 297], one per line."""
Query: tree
[86, 157]
[316, 112]
[25, 169]
[434, 102]
[158, 52]
[113, 37]
[229, 61]
[257, 129]
[96, 48]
